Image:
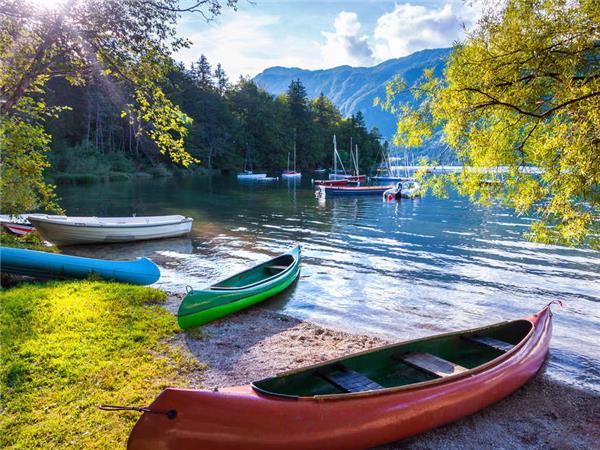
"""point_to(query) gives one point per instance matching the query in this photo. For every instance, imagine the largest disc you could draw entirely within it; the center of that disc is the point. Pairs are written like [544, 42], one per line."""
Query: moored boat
[405, 189]
[410, 189]
[44, 265]
[69, 230]
[239, 291]
[291, 173]
[342, 182]
[248, 175]
[358, 401]
[18, 225]
[330, 191]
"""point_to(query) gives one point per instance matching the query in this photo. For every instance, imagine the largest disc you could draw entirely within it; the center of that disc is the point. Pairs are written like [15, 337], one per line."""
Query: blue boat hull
[55, 266]
[331, 192]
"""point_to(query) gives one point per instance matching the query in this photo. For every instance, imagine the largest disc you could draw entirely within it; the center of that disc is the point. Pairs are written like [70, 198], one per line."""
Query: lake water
[401, 269]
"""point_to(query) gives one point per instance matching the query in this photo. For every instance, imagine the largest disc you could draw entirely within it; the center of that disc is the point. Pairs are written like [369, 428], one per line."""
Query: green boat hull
[239, 291]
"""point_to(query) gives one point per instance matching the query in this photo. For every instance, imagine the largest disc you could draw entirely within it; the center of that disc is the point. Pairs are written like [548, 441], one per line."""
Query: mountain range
[354, 89]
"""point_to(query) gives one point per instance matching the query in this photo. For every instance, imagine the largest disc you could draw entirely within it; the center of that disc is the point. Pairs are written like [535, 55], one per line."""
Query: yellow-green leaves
[162, 121]
[520, 106]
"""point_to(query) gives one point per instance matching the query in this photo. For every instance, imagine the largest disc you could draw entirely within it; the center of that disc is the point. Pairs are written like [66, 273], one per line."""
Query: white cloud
[346, 45]
[246, 44]
[409, 28]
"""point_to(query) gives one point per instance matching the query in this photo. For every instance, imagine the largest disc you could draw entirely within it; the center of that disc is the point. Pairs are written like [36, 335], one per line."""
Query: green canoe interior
[257, 274]
[400, 365]
[236, 287]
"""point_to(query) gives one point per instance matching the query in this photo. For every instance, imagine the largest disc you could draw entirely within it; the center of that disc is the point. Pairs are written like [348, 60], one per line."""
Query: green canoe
[239, 291]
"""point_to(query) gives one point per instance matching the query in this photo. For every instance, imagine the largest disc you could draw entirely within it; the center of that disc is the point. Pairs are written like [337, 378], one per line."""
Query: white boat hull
[251, 176]
[94, 233]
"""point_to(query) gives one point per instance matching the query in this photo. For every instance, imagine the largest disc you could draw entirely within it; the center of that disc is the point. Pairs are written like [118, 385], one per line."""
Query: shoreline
[257, 343]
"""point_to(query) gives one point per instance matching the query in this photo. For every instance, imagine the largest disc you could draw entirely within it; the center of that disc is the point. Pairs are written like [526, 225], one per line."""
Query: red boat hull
[358, 178]
[240, 418]
[331, 182]
[17, 228]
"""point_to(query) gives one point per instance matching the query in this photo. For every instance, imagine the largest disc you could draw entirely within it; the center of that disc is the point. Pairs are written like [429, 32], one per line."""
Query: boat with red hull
[18, 225]
[358, 401]
[331, 182]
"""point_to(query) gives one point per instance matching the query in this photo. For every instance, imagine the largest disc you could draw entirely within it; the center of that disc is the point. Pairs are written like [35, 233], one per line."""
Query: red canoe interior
[400, 365]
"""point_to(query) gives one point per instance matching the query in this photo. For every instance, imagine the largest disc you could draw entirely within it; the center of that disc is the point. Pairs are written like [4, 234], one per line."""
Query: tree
[202, 74]
[221, 79]
[520, 96]
[123, 41]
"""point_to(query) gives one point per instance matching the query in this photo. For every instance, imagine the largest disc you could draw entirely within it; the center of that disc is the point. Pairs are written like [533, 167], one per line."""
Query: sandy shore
[257, 343]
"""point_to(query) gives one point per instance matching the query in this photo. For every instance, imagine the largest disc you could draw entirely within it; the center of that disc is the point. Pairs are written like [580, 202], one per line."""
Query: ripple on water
[399, 269]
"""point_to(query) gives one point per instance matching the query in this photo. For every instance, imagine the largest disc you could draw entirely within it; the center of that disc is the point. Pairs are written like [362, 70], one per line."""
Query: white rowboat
[64, 230]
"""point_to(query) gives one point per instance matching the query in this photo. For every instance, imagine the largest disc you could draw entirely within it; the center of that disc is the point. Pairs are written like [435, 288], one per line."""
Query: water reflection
[402, 269]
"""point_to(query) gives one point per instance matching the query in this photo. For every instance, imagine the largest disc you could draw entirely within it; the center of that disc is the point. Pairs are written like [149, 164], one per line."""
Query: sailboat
[247, 174]
[392, 172]
[291, 173]
[343, 175]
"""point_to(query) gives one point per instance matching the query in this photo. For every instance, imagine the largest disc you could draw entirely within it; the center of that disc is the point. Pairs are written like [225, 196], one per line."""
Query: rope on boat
[188, 289]
[171, 413]
[558, 302]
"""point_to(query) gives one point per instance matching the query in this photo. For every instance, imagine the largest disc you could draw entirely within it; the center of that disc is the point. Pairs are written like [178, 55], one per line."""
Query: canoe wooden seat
[350, 381]
[432, 364]
[277, 268]
[496, 344]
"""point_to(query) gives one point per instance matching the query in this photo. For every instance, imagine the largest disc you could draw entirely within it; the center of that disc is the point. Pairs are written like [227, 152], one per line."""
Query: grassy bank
[31, 241]
[68, 347]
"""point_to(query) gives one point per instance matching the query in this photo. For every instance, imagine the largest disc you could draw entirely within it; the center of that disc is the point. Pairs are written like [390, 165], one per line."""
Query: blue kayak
[52, 265]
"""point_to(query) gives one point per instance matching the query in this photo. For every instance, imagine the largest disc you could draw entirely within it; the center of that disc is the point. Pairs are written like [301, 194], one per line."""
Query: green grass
[31, 241]
[67, 347]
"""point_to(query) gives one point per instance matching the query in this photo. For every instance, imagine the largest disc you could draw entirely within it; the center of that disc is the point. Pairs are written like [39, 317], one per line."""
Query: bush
[84, 163]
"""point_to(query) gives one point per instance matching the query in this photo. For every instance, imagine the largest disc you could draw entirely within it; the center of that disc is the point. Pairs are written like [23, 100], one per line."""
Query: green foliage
[31, 241]
[522, 92]
[119, 43]
[68, 347]
[23, 148]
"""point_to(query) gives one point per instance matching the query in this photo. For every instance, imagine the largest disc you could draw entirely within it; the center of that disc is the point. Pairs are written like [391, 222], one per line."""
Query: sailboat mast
[294, 156]
[356, 160]
[352, 154]
[334, 155]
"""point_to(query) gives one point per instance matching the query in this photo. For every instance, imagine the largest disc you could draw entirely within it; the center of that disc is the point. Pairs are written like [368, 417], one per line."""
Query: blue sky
[318, 35]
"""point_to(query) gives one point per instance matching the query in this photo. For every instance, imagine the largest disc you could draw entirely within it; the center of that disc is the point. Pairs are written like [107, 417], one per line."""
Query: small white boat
[291, 173]
[404, 189]
[410, 189]
[64, 230]
[249, 175]
[18, 225]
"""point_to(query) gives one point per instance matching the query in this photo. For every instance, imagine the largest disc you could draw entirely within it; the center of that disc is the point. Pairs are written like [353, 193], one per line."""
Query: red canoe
[358, 401]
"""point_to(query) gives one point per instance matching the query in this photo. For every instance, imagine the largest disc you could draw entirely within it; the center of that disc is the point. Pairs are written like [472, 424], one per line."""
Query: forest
[232, 126]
